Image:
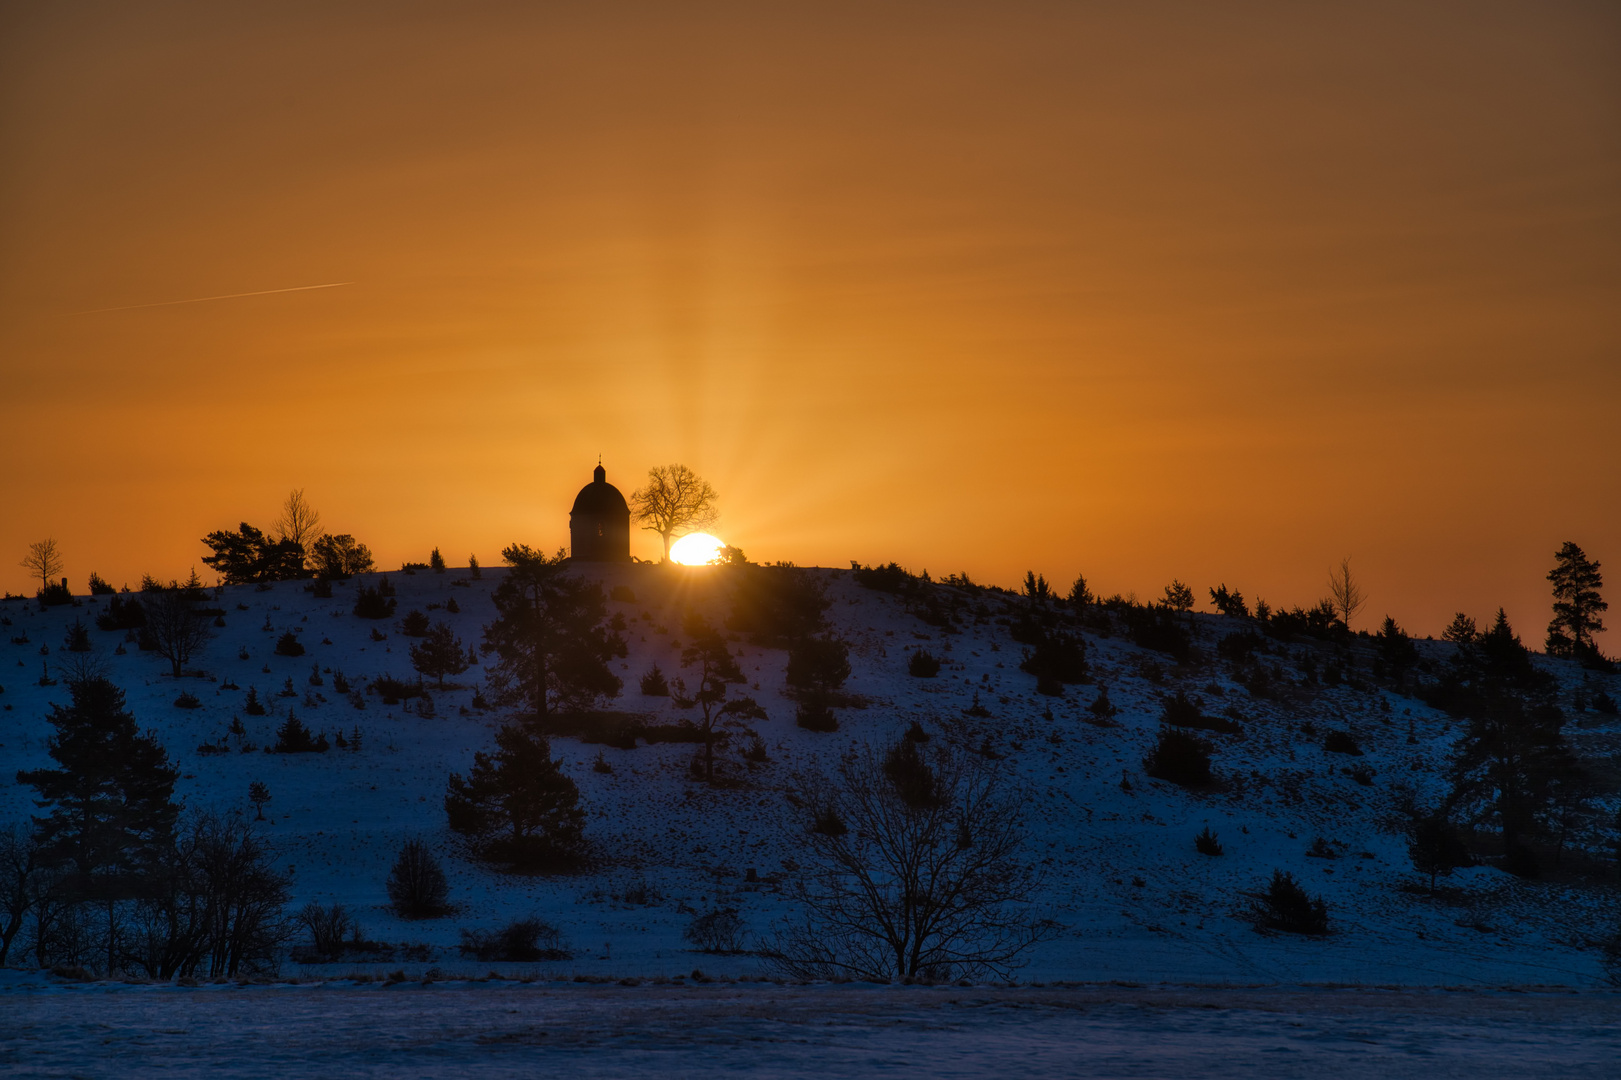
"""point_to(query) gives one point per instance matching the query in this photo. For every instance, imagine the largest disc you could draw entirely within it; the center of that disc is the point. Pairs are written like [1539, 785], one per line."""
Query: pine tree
[436, 562]
[1395, 647]
[440, 654]
[112, 813]
[1577, 605]
[552, 636]
[518, 806]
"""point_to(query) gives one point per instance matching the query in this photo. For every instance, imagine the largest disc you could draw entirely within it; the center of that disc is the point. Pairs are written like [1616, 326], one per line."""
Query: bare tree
[44, 561]
[19, 866]
[173, 620]
[299, 522]
[915, 871]
[675, 501]
[1347, 595]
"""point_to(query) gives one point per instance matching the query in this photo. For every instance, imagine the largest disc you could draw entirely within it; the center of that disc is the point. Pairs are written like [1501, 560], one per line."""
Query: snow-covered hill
[1122, 874]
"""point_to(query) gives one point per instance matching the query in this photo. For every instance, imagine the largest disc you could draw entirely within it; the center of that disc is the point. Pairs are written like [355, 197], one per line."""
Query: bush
[654, 684]
[720, 931]
[819, 664]
[417, 888]
[123, 613]
[393, 691]
[289, 645]
[55, 594]
[187, 700]
[98, 586]
[1286, 906]
[914, 780]
[891, 578]
[1341, 742]
[372, 603]
[814, 714]
[293, 737]
[1207, 843]
[923, 665]
[1056, 659]
[331, 929]
[1184, 712]
[522, 941]
[415, 624]
[78, 638]
[253, 706]
[436, 562]
[1180, 758]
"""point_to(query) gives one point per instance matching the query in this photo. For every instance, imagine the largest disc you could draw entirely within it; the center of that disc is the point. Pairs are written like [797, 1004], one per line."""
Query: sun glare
[696, 549]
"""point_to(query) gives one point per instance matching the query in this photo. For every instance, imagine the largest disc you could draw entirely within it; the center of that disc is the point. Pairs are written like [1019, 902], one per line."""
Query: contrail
[203, 299]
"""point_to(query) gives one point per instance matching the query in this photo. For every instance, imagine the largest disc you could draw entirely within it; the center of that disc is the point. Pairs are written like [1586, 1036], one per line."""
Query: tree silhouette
[258, 795]
[248, 556]
[299, 521]
[518, 806]
[340, 556]
[111, 805]
[174, 622]
[674, 502]
[44, 561]
[915, 870]
[551, 635]
[1347, 595]
[1577, 604]
[707, 651]
[440, 654]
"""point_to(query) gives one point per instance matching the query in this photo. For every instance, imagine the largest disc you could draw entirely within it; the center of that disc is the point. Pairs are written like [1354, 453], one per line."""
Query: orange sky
[1215, 292]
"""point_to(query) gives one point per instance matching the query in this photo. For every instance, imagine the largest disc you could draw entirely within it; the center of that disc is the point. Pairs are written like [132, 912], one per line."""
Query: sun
[696, 549]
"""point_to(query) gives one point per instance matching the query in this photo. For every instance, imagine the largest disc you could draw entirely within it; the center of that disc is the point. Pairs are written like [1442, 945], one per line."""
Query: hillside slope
[1122, 876]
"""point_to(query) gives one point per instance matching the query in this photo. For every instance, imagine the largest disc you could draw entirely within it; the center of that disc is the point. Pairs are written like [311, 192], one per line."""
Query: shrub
[393, 690]
[1102, 709]
[819, 664]
[923, 665]
[1180, 758]
[372, 603]
[77, 639]
[654, 684]
[289, 645]
[1056, 659]
[436, 562]
[522, 941]
[123, 613]
[1207, 843]
[915, 733]
[1286, 906]
[253, 706]
[814, 714]
[331, 929]
[915, 781]
[719, 931]
[187, 700]
[55, 594]
[417, 888]
[1184, 712]
[99, 587]
[891, 578]
[293, 737]
[415, 624]
[1341, 742]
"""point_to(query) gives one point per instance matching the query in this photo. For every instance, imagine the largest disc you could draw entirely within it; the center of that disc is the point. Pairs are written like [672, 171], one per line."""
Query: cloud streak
[205, 299]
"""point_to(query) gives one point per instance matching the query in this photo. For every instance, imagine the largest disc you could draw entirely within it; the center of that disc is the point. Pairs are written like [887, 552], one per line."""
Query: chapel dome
[600, 497]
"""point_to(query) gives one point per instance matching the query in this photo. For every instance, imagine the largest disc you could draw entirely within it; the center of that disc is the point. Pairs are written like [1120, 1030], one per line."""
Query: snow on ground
[504, 1029]
[1136, 900]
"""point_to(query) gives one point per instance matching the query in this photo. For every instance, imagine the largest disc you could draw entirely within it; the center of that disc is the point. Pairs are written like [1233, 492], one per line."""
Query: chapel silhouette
[599, 524]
